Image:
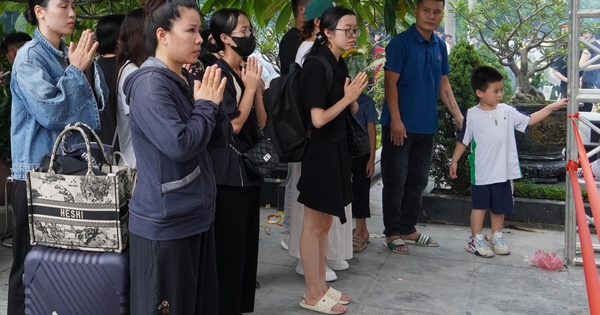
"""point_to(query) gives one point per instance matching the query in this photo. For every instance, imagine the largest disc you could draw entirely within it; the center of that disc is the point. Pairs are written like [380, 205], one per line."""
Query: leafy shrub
[525, 189]
[463, 58]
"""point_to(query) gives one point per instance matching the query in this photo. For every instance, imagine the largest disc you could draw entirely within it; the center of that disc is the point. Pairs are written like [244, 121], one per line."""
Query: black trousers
[179, 274]
[361, 187]
[20, 247]
[587, 107]
[236, 239]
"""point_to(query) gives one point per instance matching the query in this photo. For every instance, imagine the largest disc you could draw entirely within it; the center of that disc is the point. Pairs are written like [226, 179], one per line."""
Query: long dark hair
[131, 39]
[223, 21]
[30, 14]
[131, 45]
[162, 14]
[329, 20]
[107, 32]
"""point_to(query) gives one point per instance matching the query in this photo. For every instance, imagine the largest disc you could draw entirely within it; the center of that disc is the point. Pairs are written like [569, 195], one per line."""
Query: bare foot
[336, 308]
[400, 248]
[413, 237]
[361, 232]
[365, 235]
[345, 298]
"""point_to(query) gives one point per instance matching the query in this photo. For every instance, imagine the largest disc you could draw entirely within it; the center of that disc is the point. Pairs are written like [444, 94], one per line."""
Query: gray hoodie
[175, 193]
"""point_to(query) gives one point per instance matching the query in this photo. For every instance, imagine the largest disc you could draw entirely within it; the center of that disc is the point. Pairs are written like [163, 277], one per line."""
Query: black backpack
[288, 121]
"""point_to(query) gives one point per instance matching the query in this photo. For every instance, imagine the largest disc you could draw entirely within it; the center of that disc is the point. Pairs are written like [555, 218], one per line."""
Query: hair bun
[30, 16]
[321, 38]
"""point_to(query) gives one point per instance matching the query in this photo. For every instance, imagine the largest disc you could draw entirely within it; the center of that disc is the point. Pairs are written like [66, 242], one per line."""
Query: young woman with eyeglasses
[340, 235]
[325, 183]
[238, 191]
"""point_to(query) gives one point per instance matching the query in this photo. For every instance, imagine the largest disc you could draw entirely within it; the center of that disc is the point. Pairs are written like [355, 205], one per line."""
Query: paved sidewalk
[444, 280]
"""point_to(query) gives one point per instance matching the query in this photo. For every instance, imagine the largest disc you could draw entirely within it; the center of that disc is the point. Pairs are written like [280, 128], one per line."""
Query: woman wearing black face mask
[238, 191]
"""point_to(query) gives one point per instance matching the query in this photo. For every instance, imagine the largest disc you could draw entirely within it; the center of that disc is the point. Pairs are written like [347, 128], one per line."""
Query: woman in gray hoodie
[173, 120]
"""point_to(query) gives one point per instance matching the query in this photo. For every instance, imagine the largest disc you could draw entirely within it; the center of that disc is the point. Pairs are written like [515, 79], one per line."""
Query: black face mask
[245, 46]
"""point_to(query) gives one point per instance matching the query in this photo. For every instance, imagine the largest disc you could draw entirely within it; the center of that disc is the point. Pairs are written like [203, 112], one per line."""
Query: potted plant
[526, 38]
[524, 35]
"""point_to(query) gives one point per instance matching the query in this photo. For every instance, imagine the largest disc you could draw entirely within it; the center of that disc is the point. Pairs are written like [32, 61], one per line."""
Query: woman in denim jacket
[52, 85]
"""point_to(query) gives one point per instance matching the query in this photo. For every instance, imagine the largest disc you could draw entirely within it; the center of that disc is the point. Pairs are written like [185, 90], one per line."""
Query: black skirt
[324, 184]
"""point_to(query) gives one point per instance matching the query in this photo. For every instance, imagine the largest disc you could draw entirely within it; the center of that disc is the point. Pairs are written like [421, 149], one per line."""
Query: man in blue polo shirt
[416, 74]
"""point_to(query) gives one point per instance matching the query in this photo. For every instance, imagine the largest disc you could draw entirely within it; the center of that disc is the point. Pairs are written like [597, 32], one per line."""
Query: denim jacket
[48, 93]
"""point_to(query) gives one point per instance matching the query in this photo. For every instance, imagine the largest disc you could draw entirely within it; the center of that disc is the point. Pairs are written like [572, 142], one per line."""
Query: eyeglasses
[247, 32]
[349, 32]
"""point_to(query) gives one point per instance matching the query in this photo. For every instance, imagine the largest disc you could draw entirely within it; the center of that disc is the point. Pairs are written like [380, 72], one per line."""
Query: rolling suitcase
[71, 282]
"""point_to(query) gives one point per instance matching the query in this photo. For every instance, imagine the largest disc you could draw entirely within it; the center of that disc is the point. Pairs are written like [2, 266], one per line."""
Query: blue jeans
[405, 173]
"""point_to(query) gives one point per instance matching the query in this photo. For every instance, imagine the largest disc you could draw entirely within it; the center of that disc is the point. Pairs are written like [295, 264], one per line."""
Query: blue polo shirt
[421, 65]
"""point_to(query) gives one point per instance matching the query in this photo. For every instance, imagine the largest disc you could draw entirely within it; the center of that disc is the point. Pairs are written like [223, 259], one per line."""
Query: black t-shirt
[592, 77]
[108, 117]
[561, 65]
[227, 164]
[288, 47]
[208, 60]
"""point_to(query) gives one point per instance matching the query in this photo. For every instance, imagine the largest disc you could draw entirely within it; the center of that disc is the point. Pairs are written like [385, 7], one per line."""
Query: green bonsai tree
[463, 58]
[523, 34]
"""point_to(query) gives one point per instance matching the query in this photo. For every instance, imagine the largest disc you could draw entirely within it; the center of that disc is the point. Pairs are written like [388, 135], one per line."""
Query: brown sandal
[358, 243]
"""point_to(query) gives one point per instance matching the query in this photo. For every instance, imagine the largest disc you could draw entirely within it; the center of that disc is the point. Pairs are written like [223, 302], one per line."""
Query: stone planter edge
[451, 209]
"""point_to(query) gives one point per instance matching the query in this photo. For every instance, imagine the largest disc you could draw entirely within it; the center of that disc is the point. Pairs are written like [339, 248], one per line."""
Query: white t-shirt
[123, 128]
[494, 157]
[302, 51]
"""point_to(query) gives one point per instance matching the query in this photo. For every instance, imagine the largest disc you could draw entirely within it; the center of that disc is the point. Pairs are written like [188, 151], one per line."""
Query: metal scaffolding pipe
[576, 95]
[572, 108]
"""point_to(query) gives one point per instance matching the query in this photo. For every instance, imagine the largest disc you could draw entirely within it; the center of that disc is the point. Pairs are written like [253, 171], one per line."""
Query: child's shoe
[497, 243]
[478, 246]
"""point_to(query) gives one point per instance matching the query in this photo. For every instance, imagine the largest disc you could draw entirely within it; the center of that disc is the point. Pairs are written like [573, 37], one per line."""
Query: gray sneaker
[478, 246]
[497, 243]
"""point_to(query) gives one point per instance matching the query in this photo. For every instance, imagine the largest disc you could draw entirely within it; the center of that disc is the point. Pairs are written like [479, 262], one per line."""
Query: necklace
[495, 115]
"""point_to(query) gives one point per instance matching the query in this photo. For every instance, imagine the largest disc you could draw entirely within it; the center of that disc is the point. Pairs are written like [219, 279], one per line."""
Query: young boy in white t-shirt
[489, 131]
